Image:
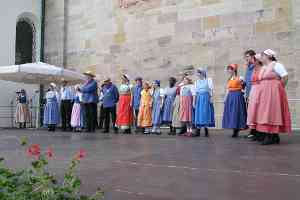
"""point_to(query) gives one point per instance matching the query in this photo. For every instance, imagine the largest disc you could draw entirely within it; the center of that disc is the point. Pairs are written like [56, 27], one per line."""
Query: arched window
[25, 41]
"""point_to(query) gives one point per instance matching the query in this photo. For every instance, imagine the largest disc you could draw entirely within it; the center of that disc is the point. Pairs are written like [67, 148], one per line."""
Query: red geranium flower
[80, 154]
[49, 152]
[34, 150]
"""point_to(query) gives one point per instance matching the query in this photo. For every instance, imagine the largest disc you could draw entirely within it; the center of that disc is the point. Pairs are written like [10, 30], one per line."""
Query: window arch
[25, 47]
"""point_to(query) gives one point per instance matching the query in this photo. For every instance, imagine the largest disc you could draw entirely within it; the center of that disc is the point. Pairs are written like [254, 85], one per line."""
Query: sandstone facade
[159, 38]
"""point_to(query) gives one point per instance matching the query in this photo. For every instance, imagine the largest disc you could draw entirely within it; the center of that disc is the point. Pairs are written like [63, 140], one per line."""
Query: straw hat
[89, 73]
[107, 80]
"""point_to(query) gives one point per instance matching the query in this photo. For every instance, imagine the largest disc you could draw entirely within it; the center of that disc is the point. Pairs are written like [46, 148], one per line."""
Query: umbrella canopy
[39, 73]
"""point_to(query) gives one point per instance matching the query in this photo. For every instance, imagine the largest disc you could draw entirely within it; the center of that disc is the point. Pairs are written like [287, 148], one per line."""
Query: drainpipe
[42, 58]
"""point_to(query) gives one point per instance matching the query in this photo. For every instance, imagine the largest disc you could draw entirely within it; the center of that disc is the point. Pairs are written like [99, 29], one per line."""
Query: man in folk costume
[249, 57]
[110, 98]
[90, 100]
[67, 95]
[136, 99]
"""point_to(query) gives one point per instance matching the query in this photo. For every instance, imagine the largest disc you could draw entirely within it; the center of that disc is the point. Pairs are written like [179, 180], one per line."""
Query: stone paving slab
[137, 167]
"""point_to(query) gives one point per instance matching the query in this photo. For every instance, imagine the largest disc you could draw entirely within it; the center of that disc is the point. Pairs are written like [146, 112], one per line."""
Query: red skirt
[124, 112]
[271, 112]
[186, 108]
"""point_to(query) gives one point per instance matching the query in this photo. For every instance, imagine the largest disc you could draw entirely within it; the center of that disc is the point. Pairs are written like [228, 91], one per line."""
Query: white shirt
[280, 70]
[52, 94]
[161, 92]
[210, 85]
[67, 93]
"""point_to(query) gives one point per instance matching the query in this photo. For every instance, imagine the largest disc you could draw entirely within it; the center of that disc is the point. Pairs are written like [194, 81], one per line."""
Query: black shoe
[260, 137]
[138, 130]
[268, 140]
[198, 133]
[116, 131]
[235, 134]
[276, 138]
[206, 132]
[105, 131]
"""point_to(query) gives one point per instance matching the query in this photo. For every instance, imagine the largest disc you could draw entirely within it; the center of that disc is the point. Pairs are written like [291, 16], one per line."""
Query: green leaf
[24, 141]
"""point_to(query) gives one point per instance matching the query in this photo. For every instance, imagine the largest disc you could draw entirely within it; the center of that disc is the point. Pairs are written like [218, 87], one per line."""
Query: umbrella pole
[37, 114]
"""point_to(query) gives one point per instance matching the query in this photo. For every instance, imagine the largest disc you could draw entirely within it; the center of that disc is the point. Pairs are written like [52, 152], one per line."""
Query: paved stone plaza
[139, 167]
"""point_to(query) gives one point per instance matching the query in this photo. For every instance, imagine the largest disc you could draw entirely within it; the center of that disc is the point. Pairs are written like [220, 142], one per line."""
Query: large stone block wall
[54, 32]
[160, 38]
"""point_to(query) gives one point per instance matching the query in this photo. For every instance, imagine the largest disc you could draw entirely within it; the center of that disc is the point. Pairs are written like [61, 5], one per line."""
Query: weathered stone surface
[151, 37]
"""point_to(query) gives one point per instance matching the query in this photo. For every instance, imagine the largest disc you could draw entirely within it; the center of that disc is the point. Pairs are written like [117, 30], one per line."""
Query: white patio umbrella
[39, 73]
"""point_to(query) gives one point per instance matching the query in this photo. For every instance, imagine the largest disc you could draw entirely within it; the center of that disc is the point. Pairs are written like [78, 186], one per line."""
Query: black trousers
[136, 114]
[110, 113]
[66, 112]
[102, 117]
[90, 116]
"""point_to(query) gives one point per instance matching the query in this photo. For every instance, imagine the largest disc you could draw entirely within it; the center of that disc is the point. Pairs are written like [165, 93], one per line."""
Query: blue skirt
[156, 114]
[167, 114]
[235, 112]
[204, 111]
[51, 113]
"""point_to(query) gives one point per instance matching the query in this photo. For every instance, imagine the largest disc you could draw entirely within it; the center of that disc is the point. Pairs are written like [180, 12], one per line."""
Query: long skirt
[272, 110]
[125, 112]
[186, 108]
[176, 117]
[204, 111]
[22, 114]
[51, 113]
[235, 113]
[168, 110]
[145, 117]
[76, 116]
[253, 105]
[156, 114]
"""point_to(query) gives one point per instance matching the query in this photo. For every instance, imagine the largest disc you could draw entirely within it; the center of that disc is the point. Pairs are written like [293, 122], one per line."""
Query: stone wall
[159, 38]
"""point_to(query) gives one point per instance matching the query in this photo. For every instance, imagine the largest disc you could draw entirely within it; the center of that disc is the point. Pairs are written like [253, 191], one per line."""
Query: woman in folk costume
[22, 115]
[51, 111]
[124, 110]
[145, 111]
[176, 123]
[158, 100]
[76, 116]
[272, 114]
[253, 99]
[170, 94]
[186, 105]
[235, 113]
[202, 101]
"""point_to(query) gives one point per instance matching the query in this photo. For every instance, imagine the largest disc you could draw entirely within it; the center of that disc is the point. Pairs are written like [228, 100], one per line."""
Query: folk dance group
[258, 102]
